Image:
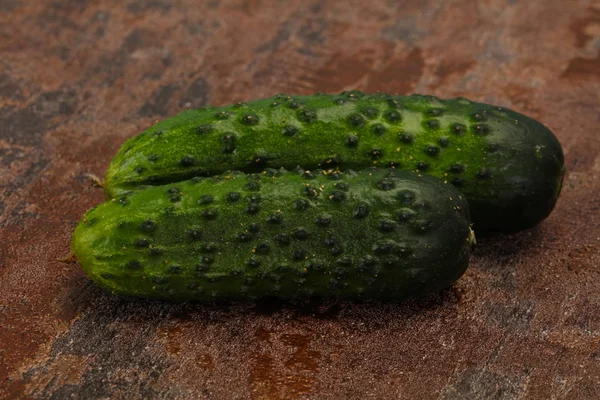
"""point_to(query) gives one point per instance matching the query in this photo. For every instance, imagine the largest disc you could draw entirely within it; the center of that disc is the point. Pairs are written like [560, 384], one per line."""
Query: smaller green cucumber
[376, 234]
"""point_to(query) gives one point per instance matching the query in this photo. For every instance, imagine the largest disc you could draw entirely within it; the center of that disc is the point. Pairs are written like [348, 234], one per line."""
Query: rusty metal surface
[79, 77]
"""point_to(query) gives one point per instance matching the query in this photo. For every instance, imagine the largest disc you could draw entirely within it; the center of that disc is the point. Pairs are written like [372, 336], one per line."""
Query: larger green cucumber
[508, 166]
[377, 233]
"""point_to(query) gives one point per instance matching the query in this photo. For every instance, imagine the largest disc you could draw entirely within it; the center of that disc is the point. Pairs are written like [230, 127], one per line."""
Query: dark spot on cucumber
[386, 184]
[422, 226]
[353, 94]
[422, 166]
[123, 201]
[390, 261]
[458, 182]
[202, 267]
[258, 161]
[432, 124]
[378, 129]
[209, 213]
[254, 177]
[331, 241]
[406, 138]
[422, 205]
[369, 112]
[204, 129]
[275, 218]
[254, 228]
[148, 226]
[376, 154]
[393, 103]
[351, 140]
[481, 129]
[458, 129]
[392, 116]
[158, 133]
[244, 237]
[337, 196]
[444, 141]
[271, 172]
[307, 115]
[331, 162]
[208, 247]
[155, 251]
[290, 131]
[253, 263]
[133, 264]
[393, 164]
[299, 255]
[274, 104]
[175, 269]
[334, 175]
[195, 234]
[336, 250]
[142, 243]
[282, 238]
[222, 115]
[367, 264]
[250, 119]
[253, 208]
[340, 102]
[252, 186]
[386, 225]
[308, 174]
[254, 198]
[301, 234]
[315, 265]
[432, 150]
[480, 116]
[188, 161]
[434, 112]
[240, 104]
[206, 199]
[206, 260]
[92, 222]
[323, 220]
[294, 105]
[233, 197]
[483, 173]
[406, 197]
[228, 142]
[153, 157]
[456, 168]
[310, 191]
[356, 120]
[262, 248]
[341, 186]
[107, 275]
[140, 170]
[493, 147]
[361, 210]
[344, 262]
[301, 204]
[405, 214]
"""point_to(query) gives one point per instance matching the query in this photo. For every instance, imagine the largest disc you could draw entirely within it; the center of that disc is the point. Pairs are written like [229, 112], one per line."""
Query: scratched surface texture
[77, 78]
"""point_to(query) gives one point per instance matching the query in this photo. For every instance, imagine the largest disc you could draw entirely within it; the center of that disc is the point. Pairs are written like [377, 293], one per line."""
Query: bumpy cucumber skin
[509, 166]
[375, 234]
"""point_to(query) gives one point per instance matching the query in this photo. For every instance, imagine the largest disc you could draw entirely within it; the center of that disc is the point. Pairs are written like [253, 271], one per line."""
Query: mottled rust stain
[79, 78]
[581, 68]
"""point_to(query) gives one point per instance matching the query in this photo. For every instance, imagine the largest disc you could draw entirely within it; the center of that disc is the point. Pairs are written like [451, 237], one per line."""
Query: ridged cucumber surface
[508, 166]
[375, 233]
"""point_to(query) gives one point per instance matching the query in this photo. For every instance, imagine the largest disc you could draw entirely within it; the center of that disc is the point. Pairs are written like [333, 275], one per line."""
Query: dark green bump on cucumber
[521, 159]
[373, 244]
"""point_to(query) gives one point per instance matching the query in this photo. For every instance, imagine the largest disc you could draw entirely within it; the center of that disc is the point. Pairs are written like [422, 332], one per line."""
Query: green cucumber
[377, 234]
[508, 166]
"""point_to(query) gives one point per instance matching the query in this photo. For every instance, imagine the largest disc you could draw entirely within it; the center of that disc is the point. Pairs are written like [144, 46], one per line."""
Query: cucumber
[508, 166]
[377, 234]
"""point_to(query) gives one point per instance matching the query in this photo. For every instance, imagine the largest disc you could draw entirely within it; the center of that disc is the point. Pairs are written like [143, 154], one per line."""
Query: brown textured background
[79, 77]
